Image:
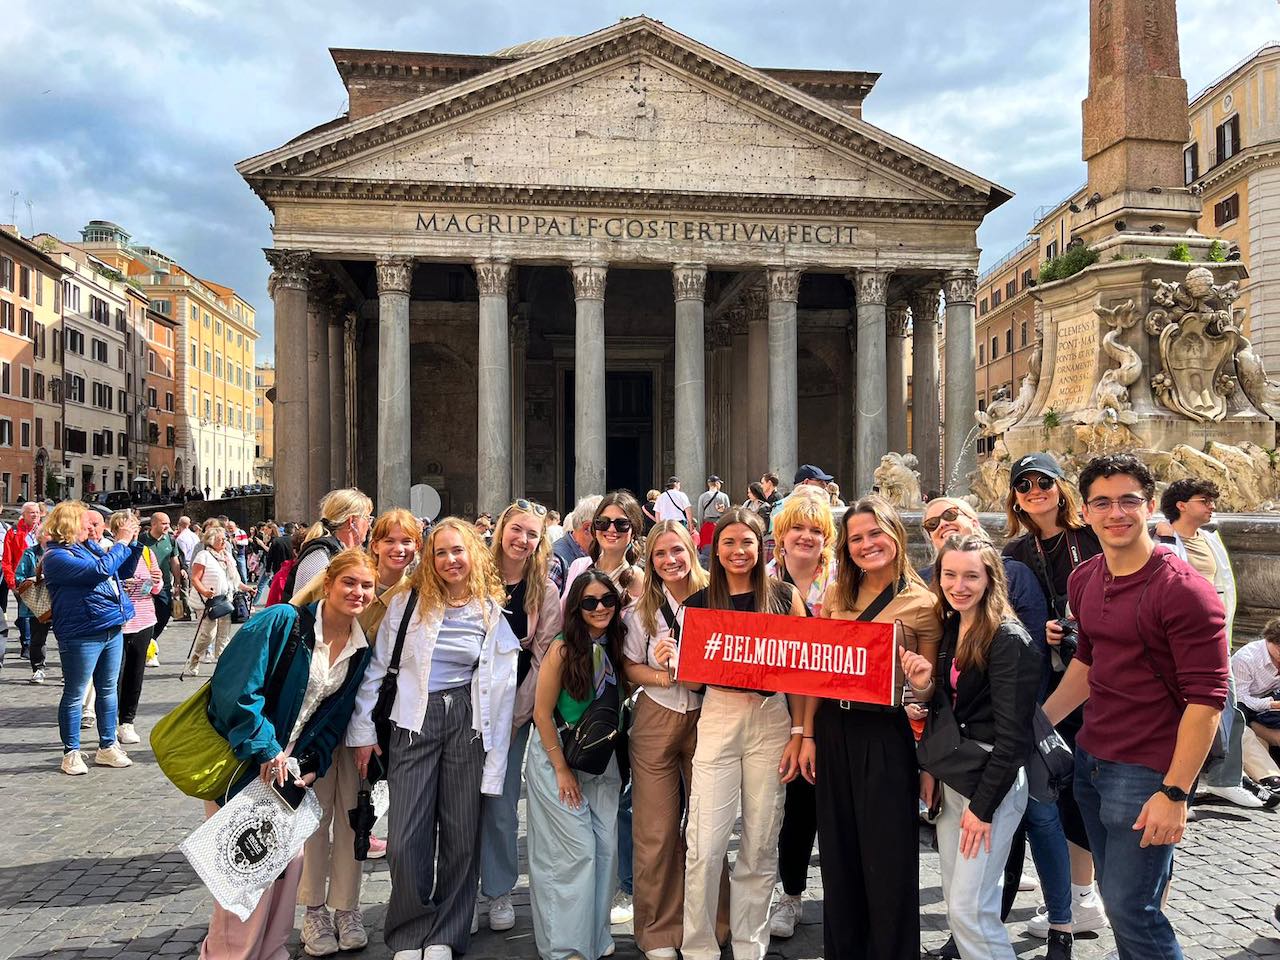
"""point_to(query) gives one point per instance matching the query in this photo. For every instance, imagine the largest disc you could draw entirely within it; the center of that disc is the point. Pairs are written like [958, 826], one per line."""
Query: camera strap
[1057, 601]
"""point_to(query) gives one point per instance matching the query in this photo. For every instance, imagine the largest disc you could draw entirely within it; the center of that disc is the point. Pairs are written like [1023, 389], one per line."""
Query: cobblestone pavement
[89, 867]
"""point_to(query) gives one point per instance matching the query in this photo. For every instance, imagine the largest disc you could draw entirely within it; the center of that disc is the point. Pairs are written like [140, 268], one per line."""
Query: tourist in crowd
[747, 751]
[572, 814]
[866, 778]
[90, 608]
[522, 554]
[345, 516]
[674, 504]
[650, 510]
[804, 555]
[451, 728]
[1149, 719]
[164, 549]
[211, 576]
[1256, 669]
[712, 505]
[238, 542]
[188, 540]
[484, 526]
[990, 675]
[1048, 535]
[20, 538]
[304, 722]
[25, 575]
[279, 550]
[833, 491]
[662, 739]
[276, 592]
[615, 527]
[554, 530]
[577, 540]
[757, 502]
[769, 483]
[142, 584]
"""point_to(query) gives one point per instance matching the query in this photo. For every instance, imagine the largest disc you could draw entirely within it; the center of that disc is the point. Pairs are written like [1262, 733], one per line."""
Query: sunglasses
[591, 604]
[948, 515]
[621, 524]
[529, 506]
[1044, 483]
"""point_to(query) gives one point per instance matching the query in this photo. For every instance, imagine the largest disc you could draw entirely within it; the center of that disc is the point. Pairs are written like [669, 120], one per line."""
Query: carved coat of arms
[1197, 342]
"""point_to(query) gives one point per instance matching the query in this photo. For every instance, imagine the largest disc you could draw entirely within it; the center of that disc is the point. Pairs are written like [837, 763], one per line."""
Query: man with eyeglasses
[1151, 669]
[576, 541]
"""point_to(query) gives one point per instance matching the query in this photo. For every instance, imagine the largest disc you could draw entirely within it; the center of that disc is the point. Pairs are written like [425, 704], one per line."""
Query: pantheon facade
[594, 262]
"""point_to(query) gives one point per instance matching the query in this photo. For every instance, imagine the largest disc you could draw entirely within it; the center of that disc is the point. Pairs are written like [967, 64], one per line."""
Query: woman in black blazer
[989, 675]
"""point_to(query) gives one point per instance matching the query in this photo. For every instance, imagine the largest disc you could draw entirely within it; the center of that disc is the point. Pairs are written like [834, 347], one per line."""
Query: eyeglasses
[590, 604]
[601, 524]
[1129, 503]
[1207, 501]
[949, 515]
[529, 506]
[1023, 485]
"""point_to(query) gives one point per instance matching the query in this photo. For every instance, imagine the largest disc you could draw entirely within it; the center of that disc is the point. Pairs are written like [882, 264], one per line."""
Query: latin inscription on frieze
[1075, 365]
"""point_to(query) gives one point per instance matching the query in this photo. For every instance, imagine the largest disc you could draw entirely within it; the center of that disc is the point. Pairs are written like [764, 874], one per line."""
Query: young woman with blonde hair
[989, 676]
[866, 776]
[663, 737]
[344, 521]
[451, 727]
[522, 553]
[748, 748]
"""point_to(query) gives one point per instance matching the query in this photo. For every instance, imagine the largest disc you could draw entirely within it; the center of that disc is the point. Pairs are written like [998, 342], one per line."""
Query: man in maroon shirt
[1152, 666]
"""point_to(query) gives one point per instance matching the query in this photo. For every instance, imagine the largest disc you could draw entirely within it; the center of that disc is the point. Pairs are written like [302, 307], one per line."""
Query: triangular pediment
[636, 106]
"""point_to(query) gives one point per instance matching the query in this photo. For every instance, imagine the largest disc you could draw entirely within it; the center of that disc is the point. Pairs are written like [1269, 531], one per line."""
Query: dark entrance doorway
[628, 432]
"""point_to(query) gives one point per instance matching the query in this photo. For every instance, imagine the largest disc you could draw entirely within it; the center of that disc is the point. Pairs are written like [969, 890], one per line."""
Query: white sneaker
[208, 657]
[73, 764]
[1027, 882]
[610, 950]
[785, 916]
[622, 911]
[37, 676]
[1086, 914]
[661, 953]
[502, 915]
[318, 936]
[351, 932]
[407, 955]
[1237, 795]
[87, 720]
[112, 756]
[438, 951]
[475, 917]
[126, 734]
[153, 661]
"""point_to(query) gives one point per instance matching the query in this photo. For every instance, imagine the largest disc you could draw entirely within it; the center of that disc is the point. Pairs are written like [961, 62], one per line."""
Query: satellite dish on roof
[424, 501]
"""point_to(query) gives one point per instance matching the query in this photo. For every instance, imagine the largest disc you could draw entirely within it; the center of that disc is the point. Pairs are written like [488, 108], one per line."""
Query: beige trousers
[1258, 764]
[331, 873]
[741, 738]
[217, 632]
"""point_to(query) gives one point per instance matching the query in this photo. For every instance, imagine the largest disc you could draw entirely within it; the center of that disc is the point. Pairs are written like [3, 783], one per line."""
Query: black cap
[672, 481]
[808, 471]
[713, 479]
[1035, 463]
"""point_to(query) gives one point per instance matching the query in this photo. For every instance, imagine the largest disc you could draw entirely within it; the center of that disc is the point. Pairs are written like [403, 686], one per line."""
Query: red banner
[837, 659]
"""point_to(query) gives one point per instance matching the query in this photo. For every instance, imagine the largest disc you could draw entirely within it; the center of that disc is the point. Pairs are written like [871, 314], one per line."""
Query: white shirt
[638, 647]
[187, 542]
[1257, 682]
[325, 678]
[671, 505]
[214, 576]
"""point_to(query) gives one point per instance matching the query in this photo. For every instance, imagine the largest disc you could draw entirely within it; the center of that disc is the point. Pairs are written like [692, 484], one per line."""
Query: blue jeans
[499, 824]
[94, 658]
[1053, 864]
[624, 839]
[1132, 879]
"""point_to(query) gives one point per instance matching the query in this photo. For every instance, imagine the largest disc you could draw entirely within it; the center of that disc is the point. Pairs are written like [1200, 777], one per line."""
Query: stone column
[395, 277]
[690, 282]
[288, 290]
[351, 330]
[338, 412]
[926, 429]
[896, 375]
[961, 399]
[320, 301]
[757, 384]
[588, 379]
[493, 374]
[721, 432]
[519, 333]
[784, 289]
[871, 427]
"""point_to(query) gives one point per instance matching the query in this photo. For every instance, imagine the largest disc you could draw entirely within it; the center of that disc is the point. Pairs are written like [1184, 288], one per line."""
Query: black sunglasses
[608, 601]
[621, 524]
[529, 506]
[949, 515]
[1023, 485]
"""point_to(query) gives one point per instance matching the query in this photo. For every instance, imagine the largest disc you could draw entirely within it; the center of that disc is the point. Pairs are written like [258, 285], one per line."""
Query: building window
[168, 402]
[99, 350]
[37, 385]
[75, 341]
[1051, 250]
[1227, 210]
[194, 361]
[27, 323]
[996, 297]
[122, 402]
[25, 380]
[75, 390]
[39, 431]
[983, 307]
[6, 315]
[995, 347]
[982, 354]
[1010, 289]
[1228, 138]
[1026, 279]
[1191, 164]
[24, 434]
[1008, 340]
[170, 436]
[1024, 333]
[6, 434]
[6, 274]
[24, 283]
[208, 362]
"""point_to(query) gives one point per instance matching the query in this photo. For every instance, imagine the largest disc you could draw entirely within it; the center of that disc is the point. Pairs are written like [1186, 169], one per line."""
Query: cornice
[1259, 155]
[284, 189]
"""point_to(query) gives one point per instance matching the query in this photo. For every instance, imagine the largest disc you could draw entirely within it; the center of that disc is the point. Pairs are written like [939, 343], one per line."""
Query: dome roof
[530, 47]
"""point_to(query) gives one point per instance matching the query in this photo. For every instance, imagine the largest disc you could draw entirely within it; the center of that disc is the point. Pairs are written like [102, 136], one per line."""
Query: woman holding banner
[663, 736]
[862, 757]
[748, 748]
[804, 556]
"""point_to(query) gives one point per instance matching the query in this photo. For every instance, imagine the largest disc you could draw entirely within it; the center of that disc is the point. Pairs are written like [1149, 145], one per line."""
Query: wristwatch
[1176, 794]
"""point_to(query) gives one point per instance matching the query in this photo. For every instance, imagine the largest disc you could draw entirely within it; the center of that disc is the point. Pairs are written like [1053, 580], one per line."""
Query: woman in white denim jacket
[451, 728]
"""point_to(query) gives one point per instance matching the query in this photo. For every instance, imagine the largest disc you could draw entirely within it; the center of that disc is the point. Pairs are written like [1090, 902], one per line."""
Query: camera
[1070, 632]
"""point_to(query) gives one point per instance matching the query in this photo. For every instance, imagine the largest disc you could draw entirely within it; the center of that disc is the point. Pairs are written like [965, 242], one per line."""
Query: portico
[602, 263]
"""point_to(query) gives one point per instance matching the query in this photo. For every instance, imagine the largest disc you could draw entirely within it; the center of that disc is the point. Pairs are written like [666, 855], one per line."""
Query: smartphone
[290, 793]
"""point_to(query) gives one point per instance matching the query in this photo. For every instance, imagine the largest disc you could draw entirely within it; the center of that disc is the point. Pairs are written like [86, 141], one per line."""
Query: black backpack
[589, 744]
[328, 543]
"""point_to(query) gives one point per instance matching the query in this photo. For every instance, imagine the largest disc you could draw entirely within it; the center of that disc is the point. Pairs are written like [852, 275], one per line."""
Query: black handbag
[946, 753]
[215, 608]
[387, 697]
[241, 608]
[589, 744]
[1052, 765]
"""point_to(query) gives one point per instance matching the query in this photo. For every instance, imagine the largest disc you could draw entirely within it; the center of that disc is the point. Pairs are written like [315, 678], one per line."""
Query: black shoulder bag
[387, 695]
[944, 751]
[589, 744]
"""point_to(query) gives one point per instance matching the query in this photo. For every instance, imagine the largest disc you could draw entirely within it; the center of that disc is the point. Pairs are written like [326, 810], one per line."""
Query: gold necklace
[458, 603]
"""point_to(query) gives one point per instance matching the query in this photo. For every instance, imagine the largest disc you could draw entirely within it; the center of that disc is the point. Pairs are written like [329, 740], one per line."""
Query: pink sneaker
[377, 848]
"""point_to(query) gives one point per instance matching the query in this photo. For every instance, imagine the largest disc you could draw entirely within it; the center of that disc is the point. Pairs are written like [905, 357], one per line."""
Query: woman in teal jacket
[302, 718]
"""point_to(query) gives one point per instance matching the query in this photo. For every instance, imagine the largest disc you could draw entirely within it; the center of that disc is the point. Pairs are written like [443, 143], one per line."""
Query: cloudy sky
[136, 112]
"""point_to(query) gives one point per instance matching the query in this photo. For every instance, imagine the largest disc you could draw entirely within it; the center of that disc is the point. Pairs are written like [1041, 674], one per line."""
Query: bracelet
[807, 737]
[920, 691]
[551, 748]
[797, 730]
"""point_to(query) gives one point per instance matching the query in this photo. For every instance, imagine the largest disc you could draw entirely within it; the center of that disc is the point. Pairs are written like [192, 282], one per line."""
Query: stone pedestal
[395, 277]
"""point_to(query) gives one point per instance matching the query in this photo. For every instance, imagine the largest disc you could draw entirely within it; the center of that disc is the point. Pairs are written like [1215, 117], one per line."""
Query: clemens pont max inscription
[634, 228]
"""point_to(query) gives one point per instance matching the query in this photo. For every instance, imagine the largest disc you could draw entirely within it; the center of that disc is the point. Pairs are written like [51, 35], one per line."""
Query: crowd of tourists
[468, 661]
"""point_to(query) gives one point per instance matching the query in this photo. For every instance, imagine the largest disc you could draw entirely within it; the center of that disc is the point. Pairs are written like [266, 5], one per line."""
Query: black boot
[1059, 945]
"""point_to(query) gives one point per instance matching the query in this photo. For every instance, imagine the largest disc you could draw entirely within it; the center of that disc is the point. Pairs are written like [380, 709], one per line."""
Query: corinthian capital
[784, 284]
[589, 279]
[924, 304]
[960, 287]
[288, 269]
[689, 281]
[871, 284]
[492, 276]
[896, 320]
[395, 274]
